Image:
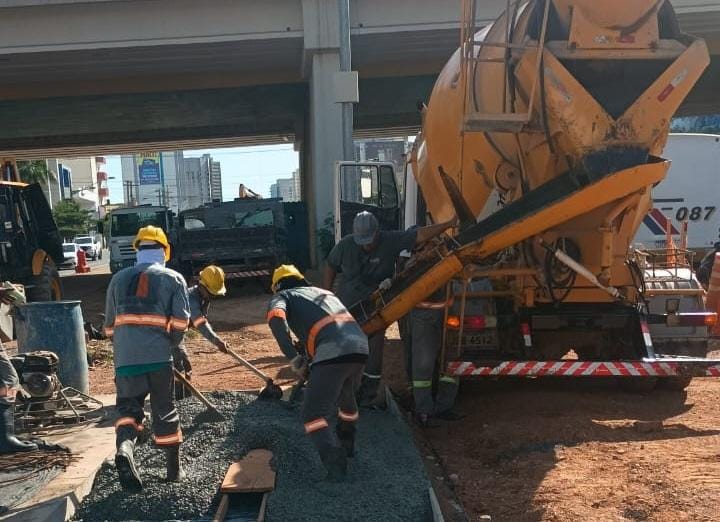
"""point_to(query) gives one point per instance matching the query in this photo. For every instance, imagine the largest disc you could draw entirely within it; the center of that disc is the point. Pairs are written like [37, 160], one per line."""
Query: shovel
[213, 414]
[271, 390]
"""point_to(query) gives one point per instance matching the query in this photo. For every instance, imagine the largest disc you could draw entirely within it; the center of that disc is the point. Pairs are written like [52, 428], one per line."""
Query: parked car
[70, 256]
[91, 246]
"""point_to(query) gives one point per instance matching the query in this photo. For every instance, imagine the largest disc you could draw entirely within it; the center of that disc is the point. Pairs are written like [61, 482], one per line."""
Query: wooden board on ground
[251, 474]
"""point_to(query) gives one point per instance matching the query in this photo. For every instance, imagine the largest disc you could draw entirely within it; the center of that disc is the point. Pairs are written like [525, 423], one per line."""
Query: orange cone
[712, 300]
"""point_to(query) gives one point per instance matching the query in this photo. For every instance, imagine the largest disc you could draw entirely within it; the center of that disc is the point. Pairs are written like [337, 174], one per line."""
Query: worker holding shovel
[210, 286]
[335, 350]
[146, 315]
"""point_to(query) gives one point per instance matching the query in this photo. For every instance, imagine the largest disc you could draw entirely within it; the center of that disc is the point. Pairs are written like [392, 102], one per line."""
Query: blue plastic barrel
[56, 326]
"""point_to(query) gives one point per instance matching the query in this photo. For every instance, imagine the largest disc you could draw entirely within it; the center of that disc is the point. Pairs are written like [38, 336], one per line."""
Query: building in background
[81, 179]
[214, 173]
[195, 189]
[289, 189]
[153, 178]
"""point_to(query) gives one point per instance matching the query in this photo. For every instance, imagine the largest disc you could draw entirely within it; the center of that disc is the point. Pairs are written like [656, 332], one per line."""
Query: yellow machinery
[543, 134]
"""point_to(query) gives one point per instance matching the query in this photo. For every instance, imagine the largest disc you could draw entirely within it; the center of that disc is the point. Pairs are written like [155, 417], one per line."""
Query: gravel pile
[386, 481]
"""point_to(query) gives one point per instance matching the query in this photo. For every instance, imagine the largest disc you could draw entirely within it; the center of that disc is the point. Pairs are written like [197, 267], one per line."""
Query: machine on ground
[544, 135]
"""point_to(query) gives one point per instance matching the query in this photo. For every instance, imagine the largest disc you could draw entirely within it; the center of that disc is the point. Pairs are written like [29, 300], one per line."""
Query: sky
[257, 167]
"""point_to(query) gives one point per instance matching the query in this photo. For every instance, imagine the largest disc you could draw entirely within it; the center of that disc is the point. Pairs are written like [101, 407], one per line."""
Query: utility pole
[346, 66]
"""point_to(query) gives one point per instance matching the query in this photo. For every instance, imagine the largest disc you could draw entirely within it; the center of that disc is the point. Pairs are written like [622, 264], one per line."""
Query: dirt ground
[528, 450]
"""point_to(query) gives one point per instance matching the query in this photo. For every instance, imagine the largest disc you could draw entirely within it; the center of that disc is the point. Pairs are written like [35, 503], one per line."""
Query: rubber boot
[9, 443]
[346, 435]
[335, 462]
[125, 459]
[175, 472]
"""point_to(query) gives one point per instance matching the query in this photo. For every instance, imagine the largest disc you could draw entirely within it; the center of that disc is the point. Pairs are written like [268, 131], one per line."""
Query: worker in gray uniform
[335, 350]
[426, 331]
[146, 315]
[366, 260]
[9, 384]
[211, 284]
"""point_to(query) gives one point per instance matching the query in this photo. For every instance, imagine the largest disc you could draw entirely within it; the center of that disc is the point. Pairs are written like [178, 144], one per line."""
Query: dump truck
[246, 237]
[544, 135]
[124, 225]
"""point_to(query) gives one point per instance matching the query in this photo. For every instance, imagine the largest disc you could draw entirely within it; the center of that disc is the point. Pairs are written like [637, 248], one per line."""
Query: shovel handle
[248, 365]
[210, 406]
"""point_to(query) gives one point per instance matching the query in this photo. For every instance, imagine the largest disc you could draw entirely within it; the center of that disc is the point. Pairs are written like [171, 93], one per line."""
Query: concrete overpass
[108, 76]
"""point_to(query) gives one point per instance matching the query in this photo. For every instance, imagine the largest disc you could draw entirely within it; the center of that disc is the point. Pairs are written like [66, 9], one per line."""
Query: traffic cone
[82, 266]
[712, 300]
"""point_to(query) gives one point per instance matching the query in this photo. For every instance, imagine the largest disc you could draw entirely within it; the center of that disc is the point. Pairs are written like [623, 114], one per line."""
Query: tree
[71, 219]
[35, 171]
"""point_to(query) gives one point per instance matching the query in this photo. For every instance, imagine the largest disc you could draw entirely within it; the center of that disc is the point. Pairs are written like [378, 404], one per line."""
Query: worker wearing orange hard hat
[211, 285]
[146, 315]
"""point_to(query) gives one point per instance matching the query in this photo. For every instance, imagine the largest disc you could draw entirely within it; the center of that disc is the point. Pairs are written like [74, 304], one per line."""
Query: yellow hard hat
[284, 271]
[213, 279]
[151, 233]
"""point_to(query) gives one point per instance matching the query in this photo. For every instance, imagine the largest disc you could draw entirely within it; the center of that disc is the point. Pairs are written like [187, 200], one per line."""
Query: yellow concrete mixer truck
[544, 135]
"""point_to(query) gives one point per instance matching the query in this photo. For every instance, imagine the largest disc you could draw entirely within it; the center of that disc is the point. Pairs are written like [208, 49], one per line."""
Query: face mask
[151, 256]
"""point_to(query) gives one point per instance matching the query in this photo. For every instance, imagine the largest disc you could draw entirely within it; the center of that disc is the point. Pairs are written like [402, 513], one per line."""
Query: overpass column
[323, 143]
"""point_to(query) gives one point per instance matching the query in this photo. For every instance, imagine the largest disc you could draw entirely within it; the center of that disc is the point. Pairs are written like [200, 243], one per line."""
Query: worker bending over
[146, 315]
[366, 259]
[335, 351]
[426, 332]
[9, 384]
[210, 286]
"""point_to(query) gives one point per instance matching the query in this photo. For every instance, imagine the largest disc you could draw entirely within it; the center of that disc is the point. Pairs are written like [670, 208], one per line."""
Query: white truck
[688, 193]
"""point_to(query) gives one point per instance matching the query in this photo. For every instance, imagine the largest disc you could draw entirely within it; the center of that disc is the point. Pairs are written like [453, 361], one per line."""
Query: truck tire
[46, 285]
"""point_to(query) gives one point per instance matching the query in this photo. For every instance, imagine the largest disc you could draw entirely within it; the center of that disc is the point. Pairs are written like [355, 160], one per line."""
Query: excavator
[544, 135]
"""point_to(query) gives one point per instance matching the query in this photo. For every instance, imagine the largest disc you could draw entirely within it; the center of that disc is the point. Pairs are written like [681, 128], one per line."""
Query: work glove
[385, 284]
[299, 366]
[222, 346]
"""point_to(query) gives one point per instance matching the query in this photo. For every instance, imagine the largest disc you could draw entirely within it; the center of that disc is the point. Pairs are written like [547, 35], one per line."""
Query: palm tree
[35, 171]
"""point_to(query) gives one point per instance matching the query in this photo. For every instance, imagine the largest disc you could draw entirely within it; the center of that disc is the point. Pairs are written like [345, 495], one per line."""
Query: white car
[91, 246]
[69, 255]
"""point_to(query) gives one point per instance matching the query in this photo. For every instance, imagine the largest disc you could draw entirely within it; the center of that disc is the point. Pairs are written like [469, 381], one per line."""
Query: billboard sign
[149, 168]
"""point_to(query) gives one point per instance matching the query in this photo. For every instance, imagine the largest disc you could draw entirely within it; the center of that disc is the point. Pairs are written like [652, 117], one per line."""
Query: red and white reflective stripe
[248, 273]
[169, 440]
[646, 334]
[177, 324]
[276, 312]
[525, 329]
[348, 417]
[141, 320]
[670, 87]
[199, 321]
[109, 332]
[314, 425]
[577, 369]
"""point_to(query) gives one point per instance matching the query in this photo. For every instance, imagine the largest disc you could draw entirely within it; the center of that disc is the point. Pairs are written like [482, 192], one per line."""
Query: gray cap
[365, 226]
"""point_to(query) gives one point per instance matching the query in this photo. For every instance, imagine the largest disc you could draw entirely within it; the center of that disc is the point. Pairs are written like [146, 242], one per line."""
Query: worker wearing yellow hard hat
[146, 316]
[334, 346]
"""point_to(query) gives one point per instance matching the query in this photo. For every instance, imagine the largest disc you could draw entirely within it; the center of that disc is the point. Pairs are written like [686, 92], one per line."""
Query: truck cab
[124, 225]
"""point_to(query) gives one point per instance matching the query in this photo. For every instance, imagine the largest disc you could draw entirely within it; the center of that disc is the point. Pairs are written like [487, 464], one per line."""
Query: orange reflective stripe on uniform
[108, 331]
[314, 425]
[141, 320]
[177, 324]
[276, 312]
[322, 323]
[199, 321]
[128, 421]
[169, 440]
[143, 287]
[348, 417]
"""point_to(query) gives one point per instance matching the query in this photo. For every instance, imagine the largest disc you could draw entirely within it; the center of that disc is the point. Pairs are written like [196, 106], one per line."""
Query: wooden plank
[222, 509]
[251, 474]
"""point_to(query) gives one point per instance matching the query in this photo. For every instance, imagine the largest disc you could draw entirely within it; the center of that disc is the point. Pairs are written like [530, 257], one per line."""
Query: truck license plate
[481, 339]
